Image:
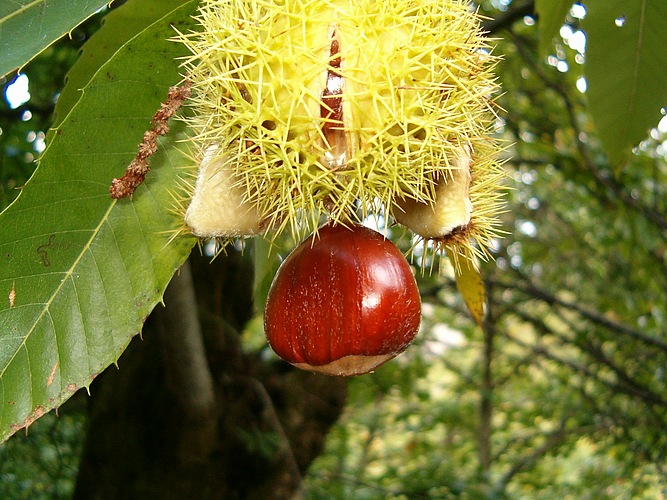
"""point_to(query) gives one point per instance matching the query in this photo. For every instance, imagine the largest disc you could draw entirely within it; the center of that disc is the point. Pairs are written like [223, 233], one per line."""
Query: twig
[138, 168]
[535, 292]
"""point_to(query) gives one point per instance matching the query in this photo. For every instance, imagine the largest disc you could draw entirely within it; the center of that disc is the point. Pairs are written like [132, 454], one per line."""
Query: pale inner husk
[218, 208]
[452, 207]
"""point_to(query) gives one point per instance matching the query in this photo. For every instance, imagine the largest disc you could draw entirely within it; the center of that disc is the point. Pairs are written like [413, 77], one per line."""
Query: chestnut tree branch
[612, 383]
[527, 287]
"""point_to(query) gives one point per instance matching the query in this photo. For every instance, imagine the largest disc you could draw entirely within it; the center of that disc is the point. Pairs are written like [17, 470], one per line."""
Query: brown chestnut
[343, 302]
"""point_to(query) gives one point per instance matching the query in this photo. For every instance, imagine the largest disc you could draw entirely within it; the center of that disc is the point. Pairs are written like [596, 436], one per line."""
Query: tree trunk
[188, 414]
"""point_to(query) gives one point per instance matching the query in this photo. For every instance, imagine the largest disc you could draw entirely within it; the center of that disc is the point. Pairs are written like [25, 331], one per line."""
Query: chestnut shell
[343, 302]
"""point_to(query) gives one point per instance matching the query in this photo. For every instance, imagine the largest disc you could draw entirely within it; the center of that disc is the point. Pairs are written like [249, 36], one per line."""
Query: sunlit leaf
[86, 270]
[626, 70]
[551, 15]
[119, 26]
[471, 287]
[29, 26]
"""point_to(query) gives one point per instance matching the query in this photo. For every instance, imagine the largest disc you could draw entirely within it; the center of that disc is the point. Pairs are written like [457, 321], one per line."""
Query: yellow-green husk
[418, 83]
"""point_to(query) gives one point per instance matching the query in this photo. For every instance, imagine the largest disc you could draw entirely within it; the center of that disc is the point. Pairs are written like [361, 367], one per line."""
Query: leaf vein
[84, 330]
[55, 293]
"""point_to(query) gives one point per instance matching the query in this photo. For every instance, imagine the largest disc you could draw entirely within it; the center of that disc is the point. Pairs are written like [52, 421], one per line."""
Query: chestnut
[343, 302]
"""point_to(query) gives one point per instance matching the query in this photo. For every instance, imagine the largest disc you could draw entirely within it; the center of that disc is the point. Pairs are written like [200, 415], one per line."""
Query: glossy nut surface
[342, 303]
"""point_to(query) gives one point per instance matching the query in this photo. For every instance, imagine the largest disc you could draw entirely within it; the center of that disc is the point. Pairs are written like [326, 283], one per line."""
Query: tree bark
[189, 414]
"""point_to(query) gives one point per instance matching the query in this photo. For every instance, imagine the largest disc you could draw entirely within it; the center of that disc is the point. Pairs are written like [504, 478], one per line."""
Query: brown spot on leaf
[38, 412]
[52, 375]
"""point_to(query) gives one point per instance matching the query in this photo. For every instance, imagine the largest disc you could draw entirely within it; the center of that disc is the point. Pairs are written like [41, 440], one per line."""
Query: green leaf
[29, 26]
[83, 270]
[551, 14]
[119, 26]
[626, 70]
[471, 287]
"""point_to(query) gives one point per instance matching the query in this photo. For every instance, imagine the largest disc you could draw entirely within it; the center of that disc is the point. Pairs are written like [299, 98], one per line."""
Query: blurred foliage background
[563, 394]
